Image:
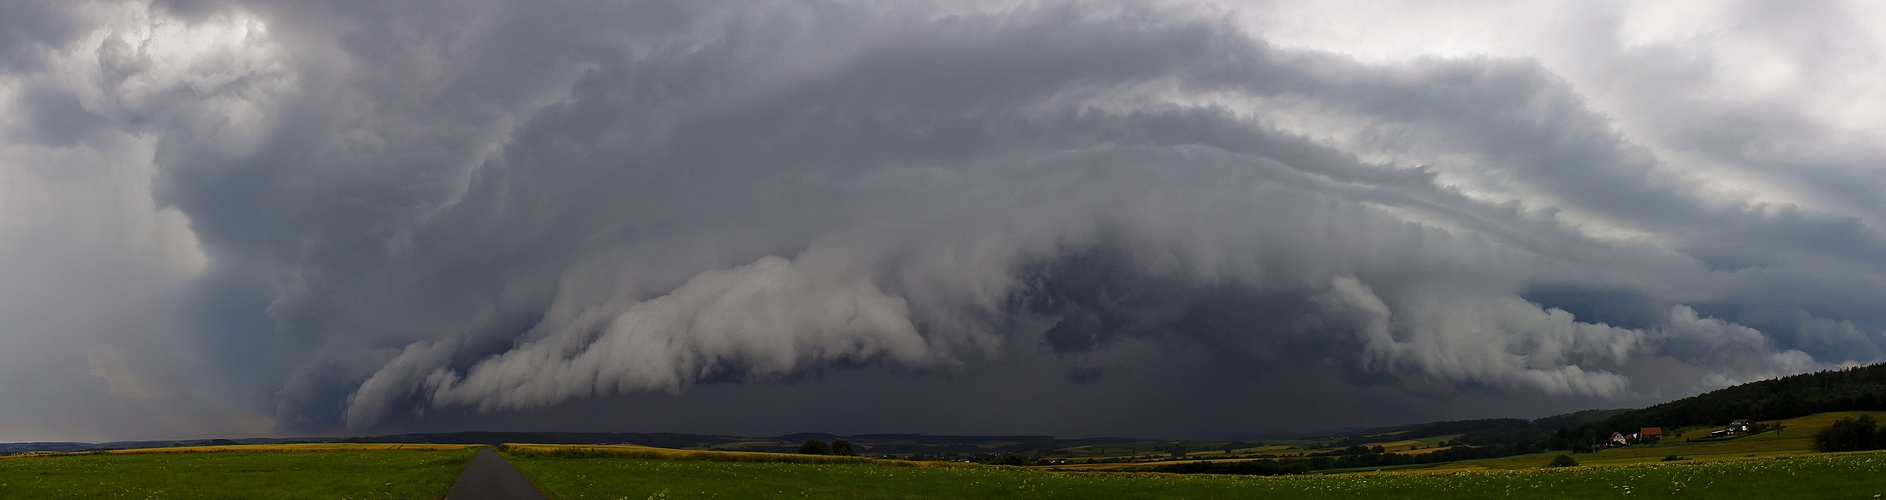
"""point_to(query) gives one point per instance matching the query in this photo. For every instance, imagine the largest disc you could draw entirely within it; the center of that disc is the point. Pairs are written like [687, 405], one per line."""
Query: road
[490, 477]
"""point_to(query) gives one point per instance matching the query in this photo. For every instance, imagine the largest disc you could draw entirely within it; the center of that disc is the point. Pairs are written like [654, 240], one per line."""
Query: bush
[814, 447]
[1849, 434]
[1673, 458]
[842, 447]
[1563, 461]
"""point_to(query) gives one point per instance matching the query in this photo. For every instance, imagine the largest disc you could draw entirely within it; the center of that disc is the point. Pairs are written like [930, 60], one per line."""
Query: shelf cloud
[295, 217]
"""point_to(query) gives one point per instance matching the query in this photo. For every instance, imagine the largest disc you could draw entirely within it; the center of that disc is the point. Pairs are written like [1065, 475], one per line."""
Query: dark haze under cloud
[1066, 218]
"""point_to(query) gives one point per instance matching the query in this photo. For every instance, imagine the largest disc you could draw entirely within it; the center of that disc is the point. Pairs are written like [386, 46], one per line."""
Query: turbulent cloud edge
[1139, 147]
[376, 208]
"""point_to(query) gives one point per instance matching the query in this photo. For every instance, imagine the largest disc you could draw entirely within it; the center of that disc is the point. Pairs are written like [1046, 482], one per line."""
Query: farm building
[1738, 426]
[1650, 434]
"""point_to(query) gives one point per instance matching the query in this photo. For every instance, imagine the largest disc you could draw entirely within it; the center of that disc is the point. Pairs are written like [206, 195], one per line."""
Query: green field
[234, 474]
[1796, 437]
[1815, 476]
[355, 473]
[1773, 464]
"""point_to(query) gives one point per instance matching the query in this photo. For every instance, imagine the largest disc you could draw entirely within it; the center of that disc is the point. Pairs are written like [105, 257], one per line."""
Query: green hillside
[1854, 389]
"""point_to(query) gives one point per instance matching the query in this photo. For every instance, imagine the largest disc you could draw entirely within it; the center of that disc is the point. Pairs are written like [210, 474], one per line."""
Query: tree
[1563, 461]
[842, 446]
[1849, 434]
[814, 447]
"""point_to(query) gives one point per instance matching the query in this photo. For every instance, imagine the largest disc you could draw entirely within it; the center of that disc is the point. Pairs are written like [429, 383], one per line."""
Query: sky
[1177, 219]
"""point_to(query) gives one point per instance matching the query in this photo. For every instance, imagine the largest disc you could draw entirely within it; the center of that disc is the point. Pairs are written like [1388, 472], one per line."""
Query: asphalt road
[490, 477]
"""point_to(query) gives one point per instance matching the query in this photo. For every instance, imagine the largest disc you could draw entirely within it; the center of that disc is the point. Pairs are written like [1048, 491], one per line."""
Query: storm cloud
[297, 217]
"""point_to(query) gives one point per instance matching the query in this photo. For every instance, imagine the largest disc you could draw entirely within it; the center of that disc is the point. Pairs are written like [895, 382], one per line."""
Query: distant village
[1654, 434]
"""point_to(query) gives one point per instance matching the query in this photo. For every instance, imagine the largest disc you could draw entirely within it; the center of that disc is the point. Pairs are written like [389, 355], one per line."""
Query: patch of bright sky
[81, 219]
[1821, 61]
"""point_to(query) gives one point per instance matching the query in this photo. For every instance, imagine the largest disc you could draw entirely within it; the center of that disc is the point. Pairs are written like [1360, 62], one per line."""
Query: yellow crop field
[1422, 451]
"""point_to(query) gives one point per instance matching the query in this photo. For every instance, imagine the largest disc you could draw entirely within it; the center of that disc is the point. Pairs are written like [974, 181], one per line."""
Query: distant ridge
[656, 439]
[17, 448]
[1474, 426]
[874, 443]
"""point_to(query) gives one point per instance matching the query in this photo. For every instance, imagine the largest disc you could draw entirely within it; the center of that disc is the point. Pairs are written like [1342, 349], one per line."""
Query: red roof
[1651, 431]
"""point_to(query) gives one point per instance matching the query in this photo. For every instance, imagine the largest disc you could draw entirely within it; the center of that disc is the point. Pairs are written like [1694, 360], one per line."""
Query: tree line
[840, 447]
[1851, 434]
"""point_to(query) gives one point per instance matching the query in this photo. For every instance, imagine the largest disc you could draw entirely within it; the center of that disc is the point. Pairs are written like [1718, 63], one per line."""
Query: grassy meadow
[216, 472]
[1771, 464]
[1812, 476]
[1796, 437]
[570, 472]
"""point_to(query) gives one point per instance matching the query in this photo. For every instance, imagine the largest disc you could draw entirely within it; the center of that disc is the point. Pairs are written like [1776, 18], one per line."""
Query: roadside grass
[283, 471]
[1816, 476]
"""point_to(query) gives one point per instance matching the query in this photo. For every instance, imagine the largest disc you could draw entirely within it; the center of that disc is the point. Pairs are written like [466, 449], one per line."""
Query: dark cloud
[1066, 218]
[27, 28]
[58, 116]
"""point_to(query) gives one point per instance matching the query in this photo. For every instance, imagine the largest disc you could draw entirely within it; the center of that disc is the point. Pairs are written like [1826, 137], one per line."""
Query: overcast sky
[1160, 219]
